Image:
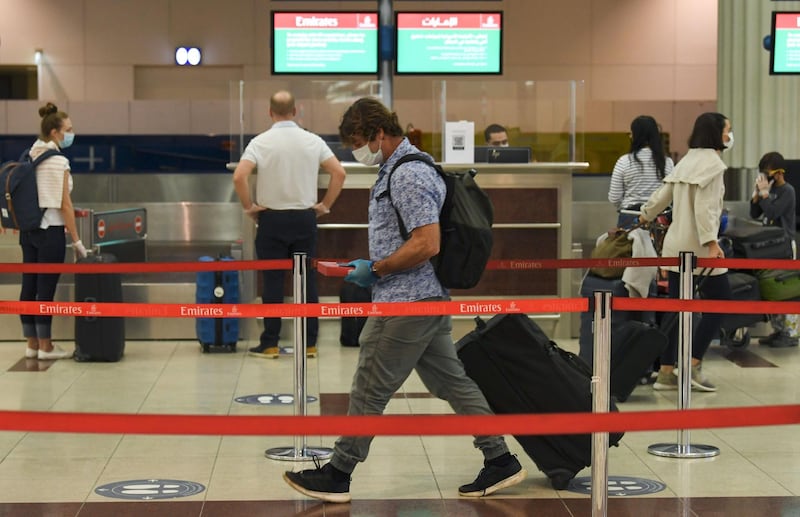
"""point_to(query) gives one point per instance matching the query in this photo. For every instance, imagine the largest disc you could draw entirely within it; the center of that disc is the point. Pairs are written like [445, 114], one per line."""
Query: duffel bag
[778, 284]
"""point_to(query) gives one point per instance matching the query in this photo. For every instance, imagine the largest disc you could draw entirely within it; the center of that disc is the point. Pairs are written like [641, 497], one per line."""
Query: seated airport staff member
[696, 189]
[288, 159]
[392, 347]
[774, 203]
[496, 135]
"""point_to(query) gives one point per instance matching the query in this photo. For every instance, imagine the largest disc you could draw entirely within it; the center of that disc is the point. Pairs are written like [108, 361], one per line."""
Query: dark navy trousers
[40, 247]
[280, 234]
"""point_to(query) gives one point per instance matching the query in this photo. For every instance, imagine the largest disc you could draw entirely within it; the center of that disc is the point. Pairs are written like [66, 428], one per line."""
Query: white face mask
[366, 157]
[729, 143]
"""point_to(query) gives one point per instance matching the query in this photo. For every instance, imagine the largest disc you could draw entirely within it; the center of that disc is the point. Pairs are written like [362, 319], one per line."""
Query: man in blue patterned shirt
[400, 271]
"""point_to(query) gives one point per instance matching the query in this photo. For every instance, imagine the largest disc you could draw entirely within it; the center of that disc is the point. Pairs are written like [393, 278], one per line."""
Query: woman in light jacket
[695, 188]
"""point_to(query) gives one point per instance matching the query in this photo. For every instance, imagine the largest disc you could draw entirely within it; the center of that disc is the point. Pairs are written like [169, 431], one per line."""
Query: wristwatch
[374, 270]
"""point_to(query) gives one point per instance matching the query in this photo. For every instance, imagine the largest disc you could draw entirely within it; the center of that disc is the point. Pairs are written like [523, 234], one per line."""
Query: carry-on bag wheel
[738, 339]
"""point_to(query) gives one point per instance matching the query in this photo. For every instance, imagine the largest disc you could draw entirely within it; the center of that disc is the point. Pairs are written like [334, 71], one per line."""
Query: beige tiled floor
[175, 377]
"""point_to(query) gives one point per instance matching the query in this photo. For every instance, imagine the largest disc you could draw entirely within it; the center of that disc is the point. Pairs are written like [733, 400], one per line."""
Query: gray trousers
[391, 348]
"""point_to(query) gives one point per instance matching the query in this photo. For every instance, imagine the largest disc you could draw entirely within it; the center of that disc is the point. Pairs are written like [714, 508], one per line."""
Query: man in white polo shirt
[288, 159]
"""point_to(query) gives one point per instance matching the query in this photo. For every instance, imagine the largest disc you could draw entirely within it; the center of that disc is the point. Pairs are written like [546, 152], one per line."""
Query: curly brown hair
[365, 117]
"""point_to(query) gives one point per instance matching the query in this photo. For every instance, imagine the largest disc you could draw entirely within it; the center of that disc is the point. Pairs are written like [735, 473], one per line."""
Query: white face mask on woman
[364, 156]
[729, 143]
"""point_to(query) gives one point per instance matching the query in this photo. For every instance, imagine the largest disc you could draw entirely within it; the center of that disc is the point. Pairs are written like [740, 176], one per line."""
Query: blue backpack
[19, 204]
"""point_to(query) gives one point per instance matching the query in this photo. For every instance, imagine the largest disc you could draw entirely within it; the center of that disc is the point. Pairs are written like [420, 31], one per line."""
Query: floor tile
[757, 472]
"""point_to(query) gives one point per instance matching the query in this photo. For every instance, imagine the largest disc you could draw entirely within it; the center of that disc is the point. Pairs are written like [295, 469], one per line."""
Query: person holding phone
[773, 202]
[392, 347]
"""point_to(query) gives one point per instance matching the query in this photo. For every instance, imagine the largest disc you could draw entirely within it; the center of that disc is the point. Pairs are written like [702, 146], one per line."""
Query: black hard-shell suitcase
[635, 347]
[99, 338]
[754, 242]
[744, 288]
[519, 370]
[351, 327]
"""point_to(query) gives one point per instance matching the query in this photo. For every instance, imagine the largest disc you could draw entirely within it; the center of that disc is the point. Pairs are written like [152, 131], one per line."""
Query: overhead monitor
[325, 42]
[449, 43]
[785, 53]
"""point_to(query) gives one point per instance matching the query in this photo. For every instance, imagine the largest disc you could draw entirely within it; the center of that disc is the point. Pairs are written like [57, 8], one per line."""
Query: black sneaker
[264, 351]
[492, 478]
[769, 339]
[320, 483]
[782, 341]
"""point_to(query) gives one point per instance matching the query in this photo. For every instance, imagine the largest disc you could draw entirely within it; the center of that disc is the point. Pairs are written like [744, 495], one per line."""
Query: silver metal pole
[683, 448]
[573, 125]
[601, 389]
[299, 288]
[685, 327]
[241, 120]
[301, 453]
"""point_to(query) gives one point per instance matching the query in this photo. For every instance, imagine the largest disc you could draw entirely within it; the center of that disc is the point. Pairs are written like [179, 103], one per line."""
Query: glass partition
[320, 105]
[545, 116]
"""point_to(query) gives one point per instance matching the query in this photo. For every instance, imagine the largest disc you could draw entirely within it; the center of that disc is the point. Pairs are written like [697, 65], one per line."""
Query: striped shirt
[50, 183]
[632, 182]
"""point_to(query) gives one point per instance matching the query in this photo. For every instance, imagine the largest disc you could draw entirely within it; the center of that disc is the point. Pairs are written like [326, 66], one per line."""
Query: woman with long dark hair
[639, 173]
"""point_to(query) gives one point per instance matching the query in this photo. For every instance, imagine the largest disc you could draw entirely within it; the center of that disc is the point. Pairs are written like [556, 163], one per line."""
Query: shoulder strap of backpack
[45, 155]
[413, 157]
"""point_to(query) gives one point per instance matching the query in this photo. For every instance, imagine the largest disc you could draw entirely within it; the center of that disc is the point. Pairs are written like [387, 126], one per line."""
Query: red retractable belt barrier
[566, 423]
[398, 425]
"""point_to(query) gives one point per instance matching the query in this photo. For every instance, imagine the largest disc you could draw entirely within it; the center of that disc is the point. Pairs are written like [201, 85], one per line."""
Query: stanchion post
[601, 389]
[301, 452]
[684, 448]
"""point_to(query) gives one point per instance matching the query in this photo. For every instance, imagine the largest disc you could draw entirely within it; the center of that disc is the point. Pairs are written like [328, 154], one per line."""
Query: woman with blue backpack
[46, 243]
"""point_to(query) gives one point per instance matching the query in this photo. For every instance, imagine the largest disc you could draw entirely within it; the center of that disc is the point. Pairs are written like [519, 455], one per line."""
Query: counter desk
[190, 215]
[533, 220]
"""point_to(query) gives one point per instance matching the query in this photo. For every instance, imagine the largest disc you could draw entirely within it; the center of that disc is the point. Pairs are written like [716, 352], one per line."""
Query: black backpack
[465, 222]
[19, 204]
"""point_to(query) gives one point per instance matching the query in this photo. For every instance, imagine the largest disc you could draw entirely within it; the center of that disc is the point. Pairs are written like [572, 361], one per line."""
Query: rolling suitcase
[520, 370]
[99, 338]
[589, 285]
[733, 328]
[351, 327]
[779, 285]
[217, 334]
[744, 288]
[635, 347]
[754, 242]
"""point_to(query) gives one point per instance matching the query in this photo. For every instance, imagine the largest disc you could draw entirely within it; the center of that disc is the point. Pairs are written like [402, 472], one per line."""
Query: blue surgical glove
[362, 274]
